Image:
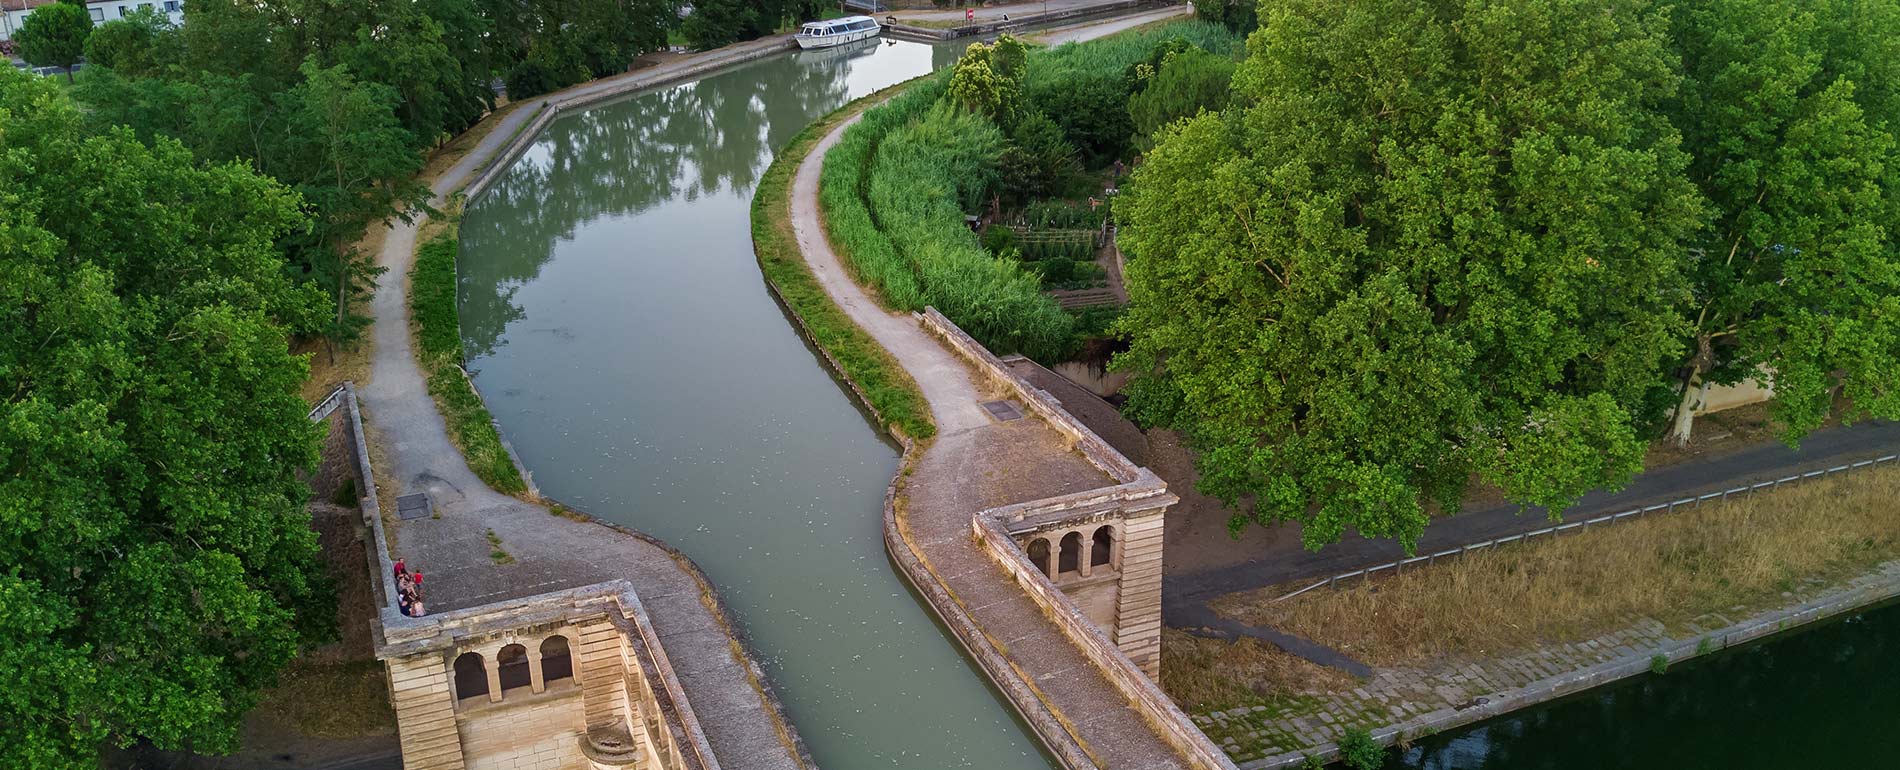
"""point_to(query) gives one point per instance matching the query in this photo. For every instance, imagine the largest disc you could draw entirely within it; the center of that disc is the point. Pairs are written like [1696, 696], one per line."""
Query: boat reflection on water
[852, 50]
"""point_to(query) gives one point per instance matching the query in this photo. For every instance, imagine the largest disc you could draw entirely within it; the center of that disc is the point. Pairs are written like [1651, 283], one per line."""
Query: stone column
[600, 667]
[536, 683]
[1087, 557]
[1138, 606]
[491, 665]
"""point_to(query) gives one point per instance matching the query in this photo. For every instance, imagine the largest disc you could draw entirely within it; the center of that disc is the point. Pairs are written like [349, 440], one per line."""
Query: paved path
[972, 464]
[1286, 561]
[997, 12]
[1091, 31]
[550, 553]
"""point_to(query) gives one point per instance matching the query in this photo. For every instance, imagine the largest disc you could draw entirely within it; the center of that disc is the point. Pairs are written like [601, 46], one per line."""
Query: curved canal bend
[617, 323]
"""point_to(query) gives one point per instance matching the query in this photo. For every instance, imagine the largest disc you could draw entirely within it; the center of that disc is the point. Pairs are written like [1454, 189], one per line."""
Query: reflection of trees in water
[1821, 698]
[622, 158]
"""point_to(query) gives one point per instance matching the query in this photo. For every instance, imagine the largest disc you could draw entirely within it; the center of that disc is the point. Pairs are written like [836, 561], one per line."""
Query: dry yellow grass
[1672, 568]
[1201, 674]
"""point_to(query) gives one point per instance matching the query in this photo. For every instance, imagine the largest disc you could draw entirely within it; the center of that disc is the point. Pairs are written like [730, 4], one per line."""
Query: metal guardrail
[1610, 518]
[328, 404]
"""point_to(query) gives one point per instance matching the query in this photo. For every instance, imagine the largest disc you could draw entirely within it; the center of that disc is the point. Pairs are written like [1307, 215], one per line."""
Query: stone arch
[1102, 552]
[471, 675]
[512, 664]
[1071, 558]
[1039, 555]
[557, 662]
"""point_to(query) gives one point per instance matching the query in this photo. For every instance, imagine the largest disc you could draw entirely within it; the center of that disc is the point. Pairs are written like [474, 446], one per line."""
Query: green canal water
[618, 325]
[1827, 697]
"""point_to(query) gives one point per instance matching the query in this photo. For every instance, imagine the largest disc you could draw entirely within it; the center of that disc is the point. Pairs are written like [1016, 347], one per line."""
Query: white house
[13, 12]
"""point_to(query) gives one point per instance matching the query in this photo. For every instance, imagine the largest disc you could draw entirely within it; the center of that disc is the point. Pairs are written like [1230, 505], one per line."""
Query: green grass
[439, 351]
[890, 391]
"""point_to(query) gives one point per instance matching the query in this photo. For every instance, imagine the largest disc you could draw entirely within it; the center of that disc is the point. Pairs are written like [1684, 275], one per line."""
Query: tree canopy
[54, 35]
[1789, 108]
[160, 567]
[1432, 241]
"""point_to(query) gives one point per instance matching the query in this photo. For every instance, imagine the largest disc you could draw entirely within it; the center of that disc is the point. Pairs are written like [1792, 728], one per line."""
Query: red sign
[969, 14]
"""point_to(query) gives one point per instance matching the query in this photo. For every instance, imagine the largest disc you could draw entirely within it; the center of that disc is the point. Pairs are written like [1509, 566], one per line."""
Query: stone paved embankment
[1404, 702]
[482, 546]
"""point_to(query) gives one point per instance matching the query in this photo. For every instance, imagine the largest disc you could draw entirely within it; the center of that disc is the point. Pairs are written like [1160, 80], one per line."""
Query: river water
[617, 323]
[1819, 698]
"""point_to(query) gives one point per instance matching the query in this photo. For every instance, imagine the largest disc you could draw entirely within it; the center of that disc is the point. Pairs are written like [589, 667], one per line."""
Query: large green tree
[1790, 108]
[157, 567]
[55, 36]
[1433, 241]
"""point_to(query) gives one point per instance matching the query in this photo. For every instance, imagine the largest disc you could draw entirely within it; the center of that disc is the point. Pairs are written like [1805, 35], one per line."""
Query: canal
[1818, 698]
[617, 323]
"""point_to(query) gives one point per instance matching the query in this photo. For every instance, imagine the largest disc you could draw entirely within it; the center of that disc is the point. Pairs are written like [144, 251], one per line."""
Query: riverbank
[1070, 682]
[1465, 640]
[549, 552]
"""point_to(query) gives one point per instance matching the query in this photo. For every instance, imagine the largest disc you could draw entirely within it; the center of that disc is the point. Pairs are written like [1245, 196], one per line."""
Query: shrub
[1659, 664]
[1357, 750]
[1084, 87]
[895, 190]
[1000, 240]
[1185, 83]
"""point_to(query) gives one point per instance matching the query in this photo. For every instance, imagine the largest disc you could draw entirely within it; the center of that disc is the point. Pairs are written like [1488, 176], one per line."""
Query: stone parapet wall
[416, 651]
[948, 609]
[552, 106]
[1133, 655]
[1098, 452]
[1143, 694]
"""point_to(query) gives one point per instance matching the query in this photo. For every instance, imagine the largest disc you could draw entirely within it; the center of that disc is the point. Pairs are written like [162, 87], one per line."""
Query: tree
[1790, 110]
[131, 44]
[988, 82]
[54, 36]
[1238, 15]
[160, 567]
[715, 23]
[1037, 162]
[362, 169]
[1185, 83]
[1433, 240]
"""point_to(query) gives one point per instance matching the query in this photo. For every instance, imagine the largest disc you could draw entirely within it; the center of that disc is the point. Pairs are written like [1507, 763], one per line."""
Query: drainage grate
[1003, 411]
[412, 507]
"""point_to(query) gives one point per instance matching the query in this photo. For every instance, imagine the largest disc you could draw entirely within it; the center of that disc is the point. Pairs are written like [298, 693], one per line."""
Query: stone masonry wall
[1132, 657]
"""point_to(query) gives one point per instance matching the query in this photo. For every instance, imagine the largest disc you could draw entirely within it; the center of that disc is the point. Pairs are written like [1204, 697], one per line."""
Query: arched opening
[555, 661]
[1104, 547]
[471, 677]
[1039, 555]
[1071, 560]
[513, 667]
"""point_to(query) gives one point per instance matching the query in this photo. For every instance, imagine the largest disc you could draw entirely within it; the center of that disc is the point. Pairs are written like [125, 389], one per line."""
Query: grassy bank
[439, 351]
[877, 376]
[1724, 559]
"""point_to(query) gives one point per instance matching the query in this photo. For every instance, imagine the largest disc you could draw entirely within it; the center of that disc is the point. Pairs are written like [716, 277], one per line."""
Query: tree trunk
[1693, 393]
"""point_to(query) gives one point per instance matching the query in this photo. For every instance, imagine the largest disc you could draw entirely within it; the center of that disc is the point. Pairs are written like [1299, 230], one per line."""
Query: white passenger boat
[825, 34]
